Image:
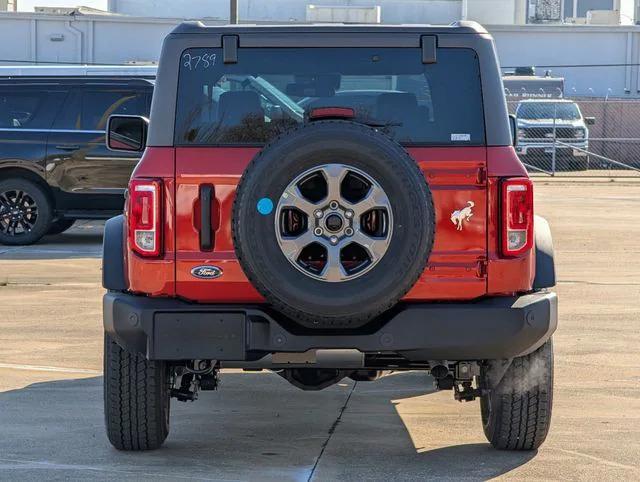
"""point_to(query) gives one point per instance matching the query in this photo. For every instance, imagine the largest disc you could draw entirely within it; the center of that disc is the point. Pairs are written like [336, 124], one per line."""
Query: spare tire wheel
[333, 223]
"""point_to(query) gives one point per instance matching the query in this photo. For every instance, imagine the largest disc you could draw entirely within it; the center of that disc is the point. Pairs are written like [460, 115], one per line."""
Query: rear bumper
[170, 329]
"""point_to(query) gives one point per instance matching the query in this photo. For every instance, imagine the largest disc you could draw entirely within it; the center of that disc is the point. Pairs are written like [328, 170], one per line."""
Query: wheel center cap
[333, 223]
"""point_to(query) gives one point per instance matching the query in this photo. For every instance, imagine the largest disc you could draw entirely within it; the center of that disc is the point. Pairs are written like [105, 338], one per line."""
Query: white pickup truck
[553, 125]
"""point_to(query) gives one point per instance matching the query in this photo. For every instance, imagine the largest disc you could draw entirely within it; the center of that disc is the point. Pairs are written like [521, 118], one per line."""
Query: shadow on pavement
[255, 427]
[478, 461]
[81, 241]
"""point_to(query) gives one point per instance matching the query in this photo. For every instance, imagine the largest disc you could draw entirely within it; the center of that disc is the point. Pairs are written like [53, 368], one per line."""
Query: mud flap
[113, 277]
[545, 265]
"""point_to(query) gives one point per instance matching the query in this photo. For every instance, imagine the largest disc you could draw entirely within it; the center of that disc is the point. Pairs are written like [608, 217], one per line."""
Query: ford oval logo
[206, 272]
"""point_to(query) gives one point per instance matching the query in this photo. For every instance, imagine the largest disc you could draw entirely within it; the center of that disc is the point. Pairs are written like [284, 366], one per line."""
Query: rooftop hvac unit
[320, 14]
[603, 17]
[545, 11]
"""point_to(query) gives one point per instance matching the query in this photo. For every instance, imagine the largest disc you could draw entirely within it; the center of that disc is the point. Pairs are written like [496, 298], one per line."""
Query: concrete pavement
[257, 426]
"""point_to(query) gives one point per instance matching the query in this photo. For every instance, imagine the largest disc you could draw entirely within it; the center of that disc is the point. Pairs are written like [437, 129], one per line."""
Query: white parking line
[93, 250]
[40, 368]
[20, 464]
[599, 460]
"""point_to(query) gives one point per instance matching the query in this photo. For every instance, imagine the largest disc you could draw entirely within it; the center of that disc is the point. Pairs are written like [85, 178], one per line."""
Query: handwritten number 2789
[195, 62]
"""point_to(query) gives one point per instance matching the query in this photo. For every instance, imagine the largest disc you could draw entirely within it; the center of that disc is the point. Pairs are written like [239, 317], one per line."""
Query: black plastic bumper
[170, 329]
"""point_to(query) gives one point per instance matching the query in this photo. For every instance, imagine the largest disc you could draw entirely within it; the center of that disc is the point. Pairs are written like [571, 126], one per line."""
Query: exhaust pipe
[439, 371]
[343, 359]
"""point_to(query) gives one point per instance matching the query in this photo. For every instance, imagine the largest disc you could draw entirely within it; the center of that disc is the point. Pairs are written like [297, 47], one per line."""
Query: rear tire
[516, 414]
[60, 226]
[33, 210]
[136, 399]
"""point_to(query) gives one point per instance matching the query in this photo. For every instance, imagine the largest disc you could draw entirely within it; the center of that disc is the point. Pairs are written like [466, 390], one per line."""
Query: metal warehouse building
[595, 60]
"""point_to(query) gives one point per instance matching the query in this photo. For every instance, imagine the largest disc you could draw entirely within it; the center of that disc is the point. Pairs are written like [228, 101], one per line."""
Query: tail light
[517, 216]
[144, 213]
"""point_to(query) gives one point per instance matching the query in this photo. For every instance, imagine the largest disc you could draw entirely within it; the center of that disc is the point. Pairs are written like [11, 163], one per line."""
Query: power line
[568, 66]
[98, 64]
[89, 64]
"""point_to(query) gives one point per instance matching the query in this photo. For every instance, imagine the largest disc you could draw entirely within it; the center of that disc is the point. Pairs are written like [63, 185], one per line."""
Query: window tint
[27, 108]
[97, 106]
[270, 90]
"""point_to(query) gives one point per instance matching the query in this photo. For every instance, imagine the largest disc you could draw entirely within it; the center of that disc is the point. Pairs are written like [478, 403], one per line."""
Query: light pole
[233, 11]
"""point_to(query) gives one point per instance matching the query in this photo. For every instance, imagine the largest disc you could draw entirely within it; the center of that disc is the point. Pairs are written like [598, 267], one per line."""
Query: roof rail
[470, 24]
[188, 26]
[61, 70]
[200, 27]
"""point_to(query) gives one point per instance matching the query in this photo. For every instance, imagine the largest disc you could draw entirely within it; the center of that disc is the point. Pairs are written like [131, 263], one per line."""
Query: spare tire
[333, 223]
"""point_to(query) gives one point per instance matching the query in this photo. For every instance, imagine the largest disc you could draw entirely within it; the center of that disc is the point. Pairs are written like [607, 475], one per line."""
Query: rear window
[89, 110]
[97, 106]
[271, 90]
[22, 109]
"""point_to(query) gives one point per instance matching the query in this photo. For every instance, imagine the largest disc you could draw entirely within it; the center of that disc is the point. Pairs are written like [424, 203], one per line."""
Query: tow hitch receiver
[468, 385]
[462, 377]
[190, 379]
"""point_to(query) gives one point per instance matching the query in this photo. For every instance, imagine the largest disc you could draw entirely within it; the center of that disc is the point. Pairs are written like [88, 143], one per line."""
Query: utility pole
[233, 11]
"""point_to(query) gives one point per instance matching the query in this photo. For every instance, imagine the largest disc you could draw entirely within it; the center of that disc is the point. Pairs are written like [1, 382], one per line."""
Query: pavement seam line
[40, 368]
[332, 429]
[600, 283]
[599, 459]
[80, 467]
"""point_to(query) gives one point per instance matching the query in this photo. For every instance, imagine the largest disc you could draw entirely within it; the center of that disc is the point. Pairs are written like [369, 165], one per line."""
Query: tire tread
[135, 393]
[522, 415]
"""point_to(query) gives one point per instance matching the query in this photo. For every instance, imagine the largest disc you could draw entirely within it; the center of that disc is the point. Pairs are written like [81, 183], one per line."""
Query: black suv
[54, 165]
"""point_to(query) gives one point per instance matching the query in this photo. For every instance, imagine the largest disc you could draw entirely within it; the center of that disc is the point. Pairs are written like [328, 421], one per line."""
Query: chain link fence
[579, 136]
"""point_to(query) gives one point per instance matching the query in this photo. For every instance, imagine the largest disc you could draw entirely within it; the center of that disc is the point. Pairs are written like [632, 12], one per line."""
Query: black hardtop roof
[232, 38]
[198, 27]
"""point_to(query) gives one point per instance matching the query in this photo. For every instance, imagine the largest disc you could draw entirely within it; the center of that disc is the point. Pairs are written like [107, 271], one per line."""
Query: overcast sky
[27, 5]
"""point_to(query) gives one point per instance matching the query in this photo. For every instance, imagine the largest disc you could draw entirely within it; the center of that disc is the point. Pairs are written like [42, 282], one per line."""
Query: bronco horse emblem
[461, 215]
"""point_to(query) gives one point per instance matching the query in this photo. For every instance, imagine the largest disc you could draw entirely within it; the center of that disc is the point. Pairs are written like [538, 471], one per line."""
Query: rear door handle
[68, 147]
[206, 238]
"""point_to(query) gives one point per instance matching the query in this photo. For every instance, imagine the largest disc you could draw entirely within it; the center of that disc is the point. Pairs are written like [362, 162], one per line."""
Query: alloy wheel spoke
[18, 198]
[293, 246]
[4, 200]
[333, 269]
[28, 222]
[293, 198]
[375, 198]
[375, 247]
[334, 174]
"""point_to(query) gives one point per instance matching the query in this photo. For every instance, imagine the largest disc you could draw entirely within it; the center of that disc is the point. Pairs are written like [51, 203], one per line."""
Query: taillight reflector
[517, 216]
[144, 216]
